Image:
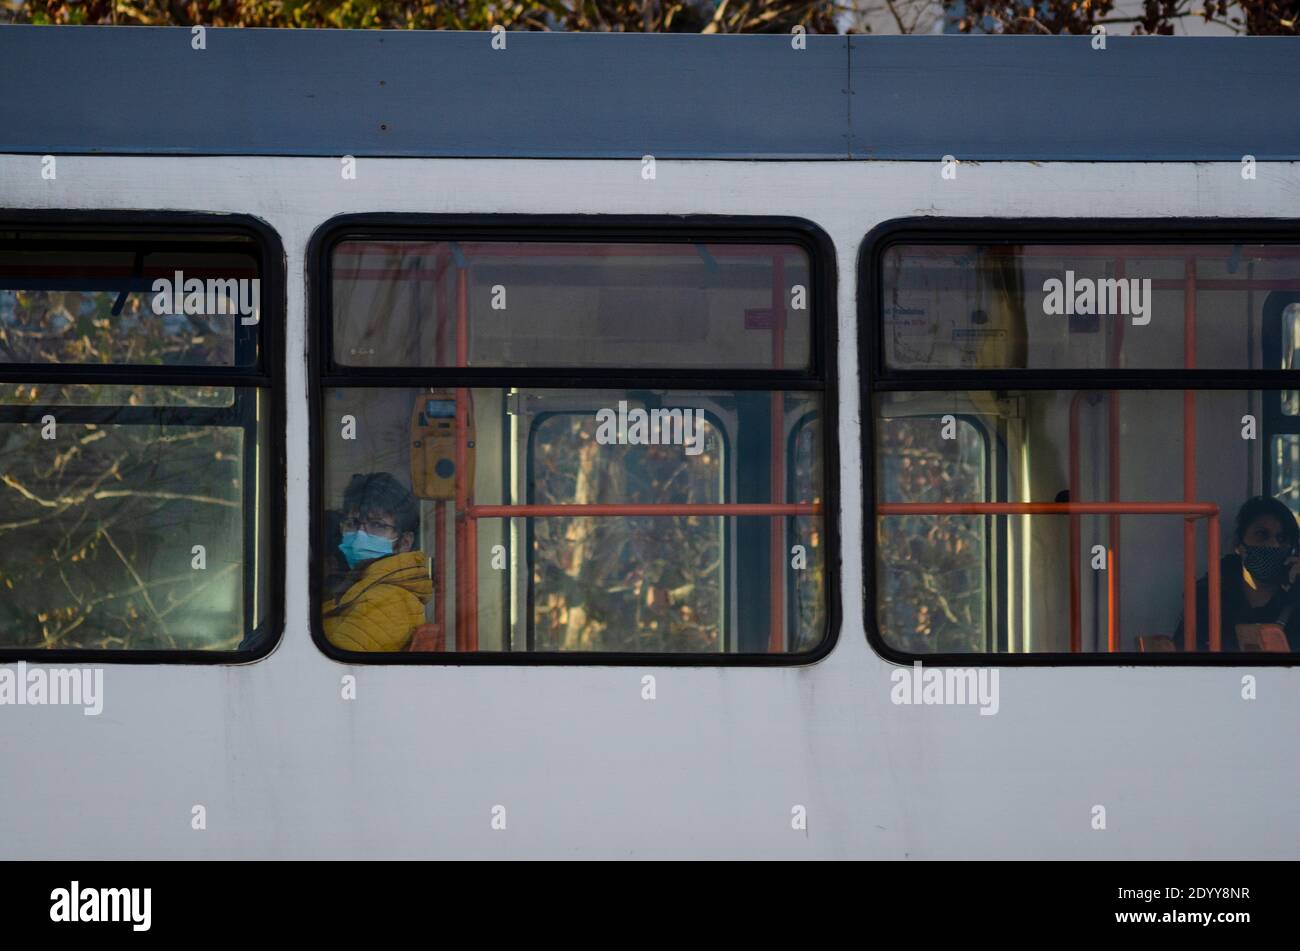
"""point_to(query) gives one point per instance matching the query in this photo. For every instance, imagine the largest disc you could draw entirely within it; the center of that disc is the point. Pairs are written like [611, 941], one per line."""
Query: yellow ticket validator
[433, 446]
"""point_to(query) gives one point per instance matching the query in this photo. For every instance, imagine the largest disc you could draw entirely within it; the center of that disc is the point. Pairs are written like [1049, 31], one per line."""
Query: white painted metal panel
[584, 766]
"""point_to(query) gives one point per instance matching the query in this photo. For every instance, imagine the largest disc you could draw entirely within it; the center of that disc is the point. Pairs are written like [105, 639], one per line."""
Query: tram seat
[1156, 643]
[1262, 638]
[428, 637]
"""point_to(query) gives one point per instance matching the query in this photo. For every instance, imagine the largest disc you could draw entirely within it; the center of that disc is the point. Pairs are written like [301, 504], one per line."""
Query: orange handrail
[1192, 510]
[466, 530]
[441, 309]
[1112, 632]
[1189, 458]
[1113, 473]
[776, 452]
[1076, 601]
[594, 509]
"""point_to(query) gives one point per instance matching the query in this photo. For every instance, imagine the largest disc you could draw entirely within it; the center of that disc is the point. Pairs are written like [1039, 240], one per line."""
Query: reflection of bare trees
[71, 327]
[809, 585]
[97, 524]
[931, 568]
[652, 584]
[87, 563]
[623, 584]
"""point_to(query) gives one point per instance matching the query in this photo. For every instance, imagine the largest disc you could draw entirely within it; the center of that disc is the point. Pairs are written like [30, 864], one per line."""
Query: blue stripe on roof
[406, 93]
[1057, 98]
[144, 90]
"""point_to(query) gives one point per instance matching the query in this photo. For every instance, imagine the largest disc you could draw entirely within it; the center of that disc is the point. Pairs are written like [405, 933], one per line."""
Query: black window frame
[819, 376]
[877, 377]
[80, 228]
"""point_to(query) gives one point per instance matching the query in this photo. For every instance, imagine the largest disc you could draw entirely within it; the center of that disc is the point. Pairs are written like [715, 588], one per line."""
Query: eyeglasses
[369, 526]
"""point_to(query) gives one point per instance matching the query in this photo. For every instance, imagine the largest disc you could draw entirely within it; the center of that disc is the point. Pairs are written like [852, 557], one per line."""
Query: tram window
[657, 516]
[1120, 512]
[134, 493]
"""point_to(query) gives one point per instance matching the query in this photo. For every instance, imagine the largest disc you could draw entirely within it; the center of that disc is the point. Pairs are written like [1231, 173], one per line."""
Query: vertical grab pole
[1189, 466]
[1114, 530]
[440, 506]
[1113, 478]
[440, 566]
[776, 580]
[1215, 595]
[1076, 601]
[466, 529]
[1112, 630]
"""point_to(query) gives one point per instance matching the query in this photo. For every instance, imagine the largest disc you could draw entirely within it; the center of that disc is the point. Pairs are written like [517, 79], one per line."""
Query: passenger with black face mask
[1258, 577]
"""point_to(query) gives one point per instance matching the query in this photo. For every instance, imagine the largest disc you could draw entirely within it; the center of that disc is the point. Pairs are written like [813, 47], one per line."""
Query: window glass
[132, 306]
[669, 515]
[625, 584]
[114, 394]
[805, 537]
[1051, 306]
[134, 515]
[1286, 470]
[99, 525]
[571, 304]
[933, 571]
[1046, 519]
[1289, 357]
[1112, 578]
[590, 521]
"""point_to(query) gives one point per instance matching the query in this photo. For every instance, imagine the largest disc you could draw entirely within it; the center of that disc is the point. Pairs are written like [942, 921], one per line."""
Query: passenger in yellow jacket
[379, 602]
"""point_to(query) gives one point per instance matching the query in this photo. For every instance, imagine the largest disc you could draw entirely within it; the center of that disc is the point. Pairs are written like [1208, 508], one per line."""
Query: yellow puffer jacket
[382, 610]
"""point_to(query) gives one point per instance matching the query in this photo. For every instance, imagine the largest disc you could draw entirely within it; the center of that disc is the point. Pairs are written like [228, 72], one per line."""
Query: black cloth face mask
[1266, 564]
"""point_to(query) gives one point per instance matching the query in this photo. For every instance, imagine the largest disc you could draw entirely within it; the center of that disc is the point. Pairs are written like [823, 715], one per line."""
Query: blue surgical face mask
[361, 546]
